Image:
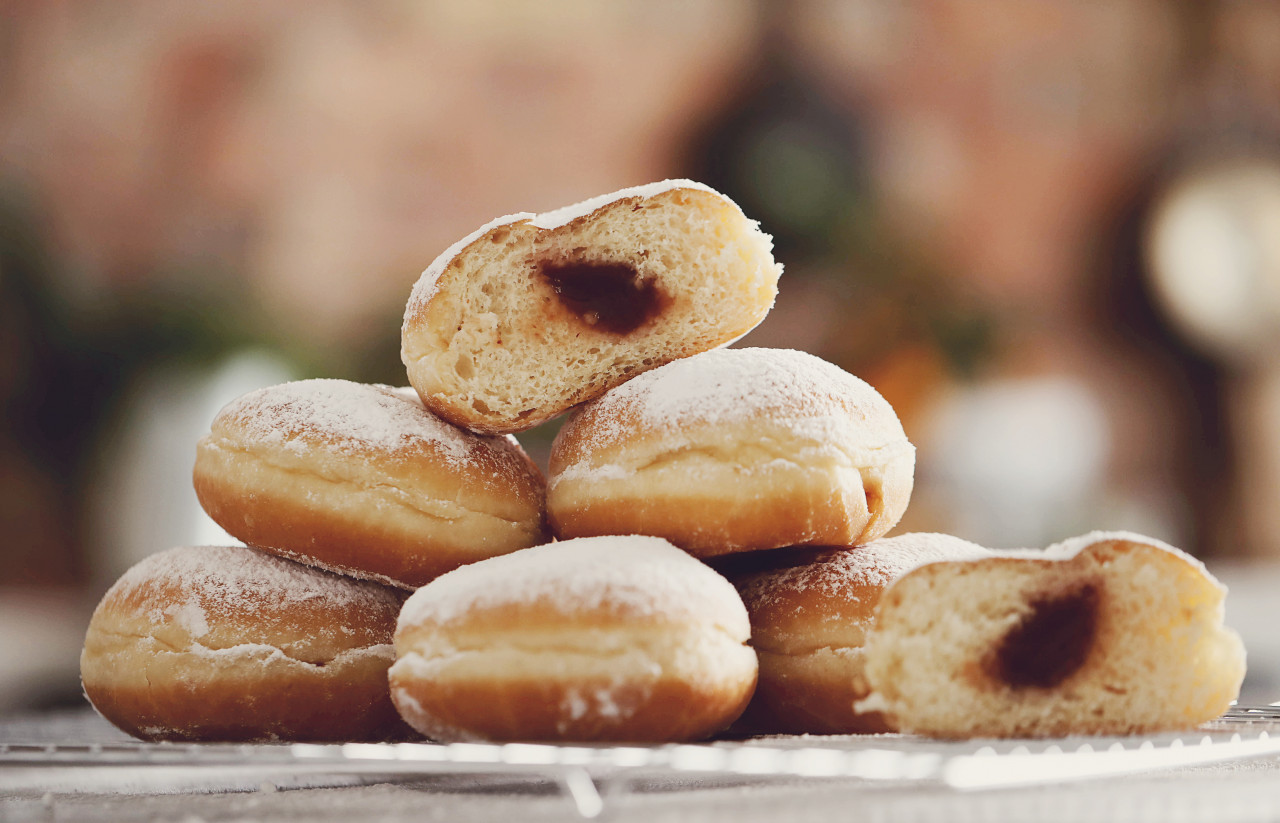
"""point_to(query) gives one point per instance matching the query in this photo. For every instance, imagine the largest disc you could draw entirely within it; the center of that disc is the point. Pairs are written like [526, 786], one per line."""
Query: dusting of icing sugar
[643, 576]
[1072, 546]
[564, 216]
[812, 397]
[845, 574]
[346, 415]
[190, 616]
[207, 584]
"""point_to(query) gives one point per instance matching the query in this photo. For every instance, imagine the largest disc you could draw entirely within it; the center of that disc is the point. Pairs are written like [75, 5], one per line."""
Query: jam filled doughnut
[810, 613]
[1110, 633]
[532, 314]
[229, 644]
[607, 639]
[361, 479]
[734, 450]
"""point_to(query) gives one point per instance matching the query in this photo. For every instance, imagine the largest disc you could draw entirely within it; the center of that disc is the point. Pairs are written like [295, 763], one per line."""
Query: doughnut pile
[708, 546]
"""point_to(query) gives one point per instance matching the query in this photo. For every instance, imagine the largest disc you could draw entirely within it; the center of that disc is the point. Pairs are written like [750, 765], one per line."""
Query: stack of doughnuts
[708, 545]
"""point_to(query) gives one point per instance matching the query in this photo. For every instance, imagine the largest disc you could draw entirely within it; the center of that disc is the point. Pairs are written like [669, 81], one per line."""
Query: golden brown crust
[228, 644]
[664, 695]
[159, 694]
[493, 342]
[1108, 634]
[722, 516]
[400, 509]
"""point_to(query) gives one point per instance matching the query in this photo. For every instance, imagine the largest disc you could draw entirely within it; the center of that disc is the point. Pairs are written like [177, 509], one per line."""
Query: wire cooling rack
[589, 774]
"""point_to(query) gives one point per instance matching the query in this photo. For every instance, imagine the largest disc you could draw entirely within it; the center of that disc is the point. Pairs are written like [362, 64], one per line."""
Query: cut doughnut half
[532, 314]
[1109, 633]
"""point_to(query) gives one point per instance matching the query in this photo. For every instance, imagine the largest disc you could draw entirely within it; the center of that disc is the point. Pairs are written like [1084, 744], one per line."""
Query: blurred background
[1049, 234]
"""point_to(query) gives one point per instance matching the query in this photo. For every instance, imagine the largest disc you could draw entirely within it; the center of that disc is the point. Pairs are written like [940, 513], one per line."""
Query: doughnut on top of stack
[532, 314]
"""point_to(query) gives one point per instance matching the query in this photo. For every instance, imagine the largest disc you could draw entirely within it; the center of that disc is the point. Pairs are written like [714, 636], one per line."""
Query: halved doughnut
[1109, 633]
[532, 314]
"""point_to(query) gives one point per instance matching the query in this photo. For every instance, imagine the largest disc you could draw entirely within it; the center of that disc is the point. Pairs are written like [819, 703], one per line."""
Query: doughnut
[225, 643]
[733, 450]
[608, 639]
[1108, 633]
[361, 479]
[810, 613]
[534, 313]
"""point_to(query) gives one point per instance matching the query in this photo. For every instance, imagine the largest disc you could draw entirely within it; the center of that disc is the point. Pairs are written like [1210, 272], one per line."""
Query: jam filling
[1052, 642]
[607, 296]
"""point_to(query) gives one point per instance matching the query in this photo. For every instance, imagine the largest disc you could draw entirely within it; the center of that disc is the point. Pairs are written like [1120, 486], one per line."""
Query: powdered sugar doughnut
[532, 314]
[362, 480]
[1109, 633]
[734, 450]
[227, 643]
[602, 639]
[810, 613]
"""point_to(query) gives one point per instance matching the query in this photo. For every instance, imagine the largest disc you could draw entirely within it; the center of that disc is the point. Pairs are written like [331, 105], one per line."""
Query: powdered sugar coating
[1069, 548]
[849, 575]
[197, 588]
[809, 396]
[564, 216]
[429, 282]
[641, 576]
[346, 417]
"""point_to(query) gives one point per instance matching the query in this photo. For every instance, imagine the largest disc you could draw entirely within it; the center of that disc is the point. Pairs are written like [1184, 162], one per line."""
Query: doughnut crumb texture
[1109, 633]
[734, 450]
[811, 611]
[363, 480]
[225, 643]
[612, 639]
[532, 314]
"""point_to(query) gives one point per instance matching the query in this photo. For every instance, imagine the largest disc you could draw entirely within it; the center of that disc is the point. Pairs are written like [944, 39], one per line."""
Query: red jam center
[1052, 642]
[607, 296]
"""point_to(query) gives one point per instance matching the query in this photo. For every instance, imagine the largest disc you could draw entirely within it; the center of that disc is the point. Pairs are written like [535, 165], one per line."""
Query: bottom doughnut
[608, 639]
[230, 644]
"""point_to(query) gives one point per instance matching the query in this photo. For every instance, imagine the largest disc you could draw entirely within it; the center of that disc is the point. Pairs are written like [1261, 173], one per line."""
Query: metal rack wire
[589, 775]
